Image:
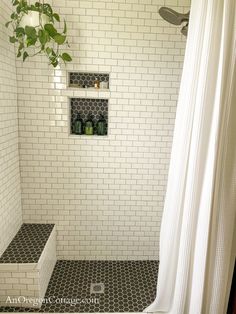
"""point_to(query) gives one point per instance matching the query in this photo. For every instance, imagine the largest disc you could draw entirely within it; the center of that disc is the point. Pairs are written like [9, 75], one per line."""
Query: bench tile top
[28, 244]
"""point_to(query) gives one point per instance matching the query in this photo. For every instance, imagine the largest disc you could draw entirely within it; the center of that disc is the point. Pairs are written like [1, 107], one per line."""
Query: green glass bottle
[89, 125]
[78, 125]
[101, 126]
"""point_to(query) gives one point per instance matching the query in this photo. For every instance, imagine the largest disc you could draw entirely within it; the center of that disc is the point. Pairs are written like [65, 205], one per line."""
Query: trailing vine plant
[45, 38]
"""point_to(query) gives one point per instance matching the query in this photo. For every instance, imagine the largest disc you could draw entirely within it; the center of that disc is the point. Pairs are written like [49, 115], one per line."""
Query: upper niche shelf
[85, 80]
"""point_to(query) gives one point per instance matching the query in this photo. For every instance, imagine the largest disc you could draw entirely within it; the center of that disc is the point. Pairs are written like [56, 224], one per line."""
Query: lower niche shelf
[89, 116]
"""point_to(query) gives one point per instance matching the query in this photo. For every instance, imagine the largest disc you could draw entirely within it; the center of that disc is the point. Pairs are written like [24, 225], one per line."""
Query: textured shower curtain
[196, 241]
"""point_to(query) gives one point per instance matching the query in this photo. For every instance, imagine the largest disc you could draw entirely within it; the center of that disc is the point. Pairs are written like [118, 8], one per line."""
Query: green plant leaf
[56, 17]
[19, 31]
[47, 9]
[13, 15]
[18, 9]
[18, 54]
[12, 39]
[59, 39]
[42, 34]
[33, 8]
[21, 46]
[30, 41]
[66, 57]
[48, 51]
[8, 23]
[30, 31]
[55, 63]
[50, 29]
[25, 55]
[54, 53]
[15, 2]
[65, 28]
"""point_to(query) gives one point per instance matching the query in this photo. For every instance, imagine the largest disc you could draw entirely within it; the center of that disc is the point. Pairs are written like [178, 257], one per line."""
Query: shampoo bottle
[89, 125]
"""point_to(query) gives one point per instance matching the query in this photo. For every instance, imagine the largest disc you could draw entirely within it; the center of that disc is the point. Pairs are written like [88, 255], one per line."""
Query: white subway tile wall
[10, 200]
[104, 194]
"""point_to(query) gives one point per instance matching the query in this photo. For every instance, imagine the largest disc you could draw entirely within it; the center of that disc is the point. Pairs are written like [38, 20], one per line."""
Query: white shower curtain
[196, 241]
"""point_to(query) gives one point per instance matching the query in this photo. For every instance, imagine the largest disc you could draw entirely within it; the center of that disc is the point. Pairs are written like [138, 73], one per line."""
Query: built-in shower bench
[26, 266]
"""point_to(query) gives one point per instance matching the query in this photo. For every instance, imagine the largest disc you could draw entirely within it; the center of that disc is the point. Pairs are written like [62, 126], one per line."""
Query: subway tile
[143, 56]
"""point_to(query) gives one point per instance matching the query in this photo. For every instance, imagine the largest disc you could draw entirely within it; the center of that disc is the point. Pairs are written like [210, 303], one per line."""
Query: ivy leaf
[65, 28]
[18, 54]
[33, 8]
[54, 63]
[19, 31]
[66, 57]
[21, 46]
[48, 51]
[50, 29]
[8, 23]
[18, 9]
[13, 15]
[47, 8]
[15, 2]
[56, 17]
[53, 53]
[12, 39]
[31, 41]
[25, 55]
[30, 31]
[42, 34]
[59, 39]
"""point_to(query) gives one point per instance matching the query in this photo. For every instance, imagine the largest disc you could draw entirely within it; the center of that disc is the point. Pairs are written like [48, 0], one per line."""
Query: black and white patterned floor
[99, 286]
[28, 244]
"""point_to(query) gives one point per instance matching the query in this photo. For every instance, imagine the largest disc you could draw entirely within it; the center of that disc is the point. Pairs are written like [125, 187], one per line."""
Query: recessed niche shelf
[85, 80]
[85, 107]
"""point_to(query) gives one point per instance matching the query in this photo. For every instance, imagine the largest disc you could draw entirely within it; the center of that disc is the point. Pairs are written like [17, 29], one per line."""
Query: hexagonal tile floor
[126, 286]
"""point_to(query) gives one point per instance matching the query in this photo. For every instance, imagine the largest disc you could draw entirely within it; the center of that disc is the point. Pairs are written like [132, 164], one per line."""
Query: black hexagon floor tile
[28, 244]
[130, 286]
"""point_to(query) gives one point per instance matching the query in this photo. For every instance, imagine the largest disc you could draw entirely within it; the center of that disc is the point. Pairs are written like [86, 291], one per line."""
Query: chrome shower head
[172, 16]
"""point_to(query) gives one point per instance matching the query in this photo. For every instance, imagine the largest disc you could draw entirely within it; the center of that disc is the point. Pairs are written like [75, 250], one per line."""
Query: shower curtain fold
[196, 239]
